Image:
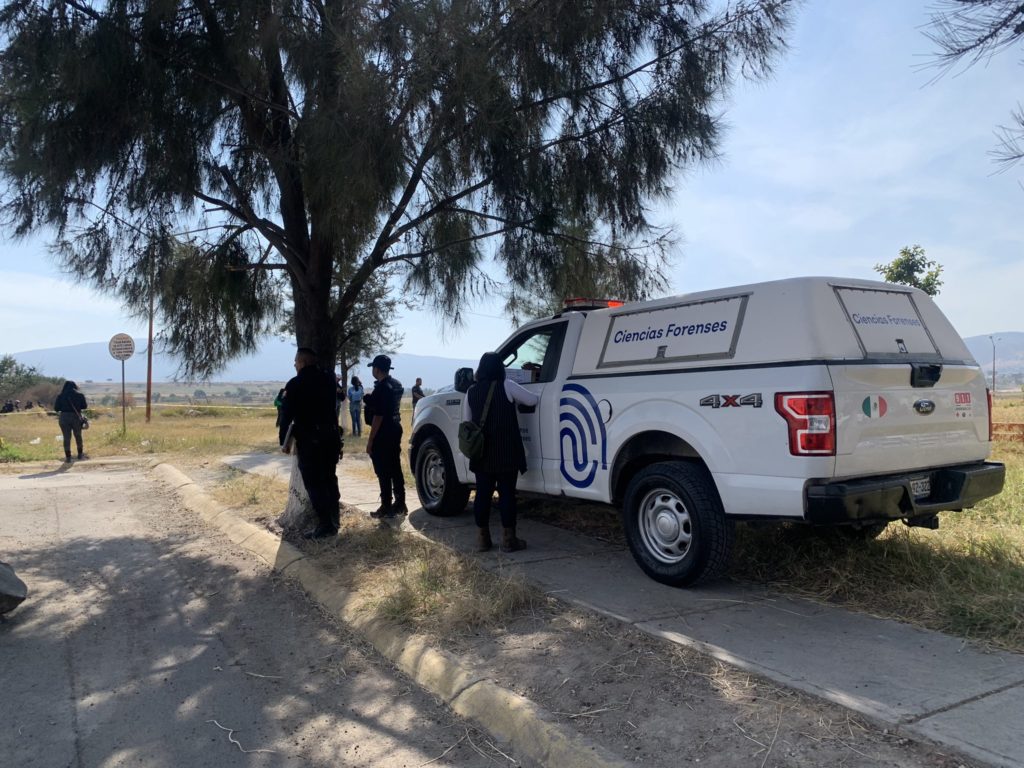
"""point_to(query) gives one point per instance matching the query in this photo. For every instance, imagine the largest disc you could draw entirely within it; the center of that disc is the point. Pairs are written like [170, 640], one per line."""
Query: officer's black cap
[381, 361]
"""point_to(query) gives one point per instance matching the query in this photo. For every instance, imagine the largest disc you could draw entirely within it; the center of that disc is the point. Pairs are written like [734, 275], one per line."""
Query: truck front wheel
[675, 525]
[437, 483]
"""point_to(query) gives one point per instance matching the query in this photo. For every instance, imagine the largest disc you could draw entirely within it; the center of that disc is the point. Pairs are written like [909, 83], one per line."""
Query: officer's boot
[384, 510]
[483, 540]
[399, 507]
[509, 542]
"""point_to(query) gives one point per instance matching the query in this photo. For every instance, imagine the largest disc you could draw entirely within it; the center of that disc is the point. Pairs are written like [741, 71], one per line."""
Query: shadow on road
[129, 647]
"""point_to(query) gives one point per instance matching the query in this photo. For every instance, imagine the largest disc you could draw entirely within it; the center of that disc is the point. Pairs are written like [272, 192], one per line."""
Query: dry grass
[442, 592]
[410, 580]
[253, 495]
[1008, 407]
[420, 583]
[199, 431]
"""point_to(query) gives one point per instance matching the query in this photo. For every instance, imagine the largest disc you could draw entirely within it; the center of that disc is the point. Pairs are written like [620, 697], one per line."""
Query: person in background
[308, 407]
[385, 441]
[69, 405]
[355, 405]
[417, 395]
[339, 394]
[277, 404]
[504, 456]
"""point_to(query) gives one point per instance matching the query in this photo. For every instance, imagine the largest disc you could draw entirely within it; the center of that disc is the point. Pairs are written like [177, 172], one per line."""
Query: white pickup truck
[828, 401]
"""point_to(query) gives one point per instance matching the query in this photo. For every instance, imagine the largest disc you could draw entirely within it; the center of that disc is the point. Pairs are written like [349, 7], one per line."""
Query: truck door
[531, 359]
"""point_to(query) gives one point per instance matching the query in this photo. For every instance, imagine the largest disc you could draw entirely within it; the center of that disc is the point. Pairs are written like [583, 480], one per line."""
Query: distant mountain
[1009, 349]
[273, 362]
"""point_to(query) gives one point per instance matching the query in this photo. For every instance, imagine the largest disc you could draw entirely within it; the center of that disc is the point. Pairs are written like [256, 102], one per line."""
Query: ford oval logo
[924, 407]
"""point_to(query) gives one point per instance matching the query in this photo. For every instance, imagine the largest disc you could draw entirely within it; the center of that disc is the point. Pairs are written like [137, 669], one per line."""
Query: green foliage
[215, 309]
[237, 157]
[10, 453]
[586, 269]
[18, 380]
[913, 269]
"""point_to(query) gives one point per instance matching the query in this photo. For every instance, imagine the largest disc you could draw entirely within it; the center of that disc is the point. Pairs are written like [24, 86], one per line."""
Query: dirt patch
[662, 705]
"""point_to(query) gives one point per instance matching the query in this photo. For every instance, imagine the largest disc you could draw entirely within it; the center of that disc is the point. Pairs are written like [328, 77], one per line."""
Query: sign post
[122, 346]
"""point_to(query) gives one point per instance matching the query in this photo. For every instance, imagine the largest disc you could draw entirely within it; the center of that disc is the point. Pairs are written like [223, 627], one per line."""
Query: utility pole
[990, 338]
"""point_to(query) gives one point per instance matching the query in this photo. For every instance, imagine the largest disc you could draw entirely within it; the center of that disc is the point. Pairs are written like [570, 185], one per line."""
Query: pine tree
[972, 31]
[237, 157]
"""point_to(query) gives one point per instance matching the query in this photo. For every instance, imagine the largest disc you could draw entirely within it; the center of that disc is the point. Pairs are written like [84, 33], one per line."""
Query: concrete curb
[533, 733]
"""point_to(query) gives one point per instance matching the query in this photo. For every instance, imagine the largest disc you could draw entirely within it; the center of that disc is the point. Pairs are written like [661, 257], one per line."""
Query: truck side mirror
[463, 379]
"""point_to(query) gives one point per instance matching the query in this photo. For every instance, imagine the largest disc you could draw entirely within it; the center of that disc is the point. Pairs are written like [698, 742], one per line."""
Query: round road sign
[122, 346]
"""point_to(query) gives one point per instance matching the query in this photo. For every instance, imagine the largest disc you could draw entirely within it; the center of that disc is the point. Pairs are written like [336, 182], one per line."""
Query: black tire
[675, 525]
[437, 483]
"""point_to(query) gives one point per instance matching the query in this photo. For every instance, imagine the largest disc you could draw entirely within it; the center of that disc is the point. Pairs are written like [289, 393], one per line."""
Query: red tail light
[988, 393]
[811, 417]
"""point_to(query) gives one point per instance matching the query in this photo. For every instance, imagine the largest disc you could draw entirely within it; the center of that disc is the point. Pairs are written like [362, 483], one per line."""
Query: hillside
[273, 362]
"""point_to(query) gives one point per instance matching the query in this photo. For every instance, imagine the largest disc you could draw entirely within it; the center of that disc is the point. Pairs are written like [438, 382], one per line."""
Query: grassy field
[967, 578]
[196, 431]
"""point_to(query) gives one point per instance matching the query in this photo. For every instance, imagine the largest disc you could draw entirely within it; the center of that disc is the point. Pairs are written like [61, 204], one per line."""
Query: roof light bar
[579, 303]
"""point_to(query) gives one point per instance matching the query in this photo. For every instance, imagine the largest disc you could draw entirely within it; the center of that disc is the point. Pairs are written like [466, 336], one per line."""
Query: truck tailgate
[886, 424]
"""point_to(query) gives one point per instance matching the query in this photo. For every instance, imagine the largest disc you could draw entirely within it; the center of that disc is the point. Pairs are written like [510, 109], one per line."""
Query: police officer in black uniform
[309, 408]
[385, 441]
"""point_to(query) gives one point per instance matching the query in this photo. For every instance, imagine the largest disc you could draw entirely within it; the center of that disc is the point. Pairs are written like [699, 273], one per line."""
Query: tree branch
[707, 30]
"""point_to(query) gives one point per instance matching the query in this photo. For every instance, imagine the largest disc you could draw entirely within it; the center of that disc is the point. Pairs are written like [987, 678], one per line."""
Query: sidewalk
[928, 684]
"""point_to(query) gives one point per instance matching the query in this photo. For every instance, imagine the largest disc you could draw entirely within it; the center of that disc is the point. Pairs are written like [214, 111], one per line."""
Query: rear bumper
[889, 497]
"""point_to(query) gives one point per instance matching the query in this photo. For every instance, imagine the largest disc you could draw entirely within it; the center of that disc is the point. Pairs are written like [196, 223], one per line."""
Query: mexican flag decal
[874, 407]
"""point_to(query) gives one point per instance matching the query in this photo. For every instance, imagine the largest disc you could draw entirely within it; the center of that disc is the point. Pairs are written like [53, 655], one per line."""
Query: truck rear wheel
[675, 525]
[437, 483]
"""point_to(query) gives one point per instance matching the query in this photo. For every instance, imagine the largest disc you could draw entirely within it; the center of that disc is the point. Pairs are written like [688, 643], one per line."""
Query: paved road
[141, 629]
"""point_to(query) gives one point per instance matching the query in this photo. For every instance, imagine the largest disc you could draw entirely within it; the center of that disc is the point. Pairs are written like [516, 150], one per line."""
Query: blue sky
[849, 152]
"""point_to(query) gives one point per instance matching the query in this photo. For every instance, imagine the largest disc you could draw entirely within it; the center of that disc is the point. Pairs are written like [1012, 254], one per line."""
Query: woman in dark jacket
[504, 456]
[69, 406]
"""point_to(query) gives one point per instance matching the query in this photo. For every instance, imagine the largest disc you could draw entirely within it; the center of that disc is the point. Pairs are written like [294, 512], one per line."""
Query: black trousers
[318, 466]
[387, 464]
[486, 482]
[70, 423]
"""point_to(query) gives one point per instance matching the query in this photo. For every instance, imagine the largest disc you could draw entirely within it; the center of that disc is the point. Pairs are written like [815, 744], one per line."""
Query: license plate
[921, 487]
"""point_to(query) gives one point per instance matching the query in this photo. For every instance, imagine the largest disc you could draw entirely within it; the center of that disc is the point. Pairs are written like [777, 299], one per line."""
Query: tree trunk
[298, 515]
[312, 312]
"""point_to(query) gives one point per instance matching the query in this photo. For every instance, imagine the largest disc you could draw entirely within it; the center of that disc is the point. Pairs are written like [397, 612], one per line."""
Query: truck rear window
[886, 322]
